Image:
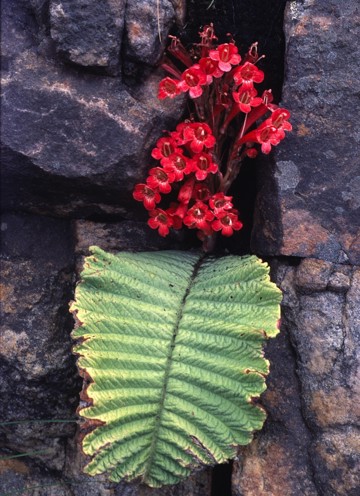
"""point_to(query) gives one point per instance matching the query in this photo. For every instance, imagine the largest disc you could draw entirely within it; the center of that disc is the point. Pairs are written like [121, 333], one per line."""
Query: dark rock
[74, 144]
[98, 34]
[38, 377]
[314, 195]
[324, 329]
[89, 32]
[120, 236]
[276, 462]
[313, 275]
[336, 456]
[147, 24]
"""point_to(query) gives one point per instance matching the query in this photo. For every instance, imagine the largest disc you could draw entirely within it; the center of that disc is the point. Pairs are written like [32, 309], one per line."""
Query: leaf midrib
[159, 414]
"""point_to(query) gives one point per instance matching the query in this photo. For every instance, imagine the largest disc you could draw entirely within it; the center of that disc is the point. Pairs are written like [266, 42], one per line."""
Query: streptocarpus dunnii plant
[172, 340]
[199, 161]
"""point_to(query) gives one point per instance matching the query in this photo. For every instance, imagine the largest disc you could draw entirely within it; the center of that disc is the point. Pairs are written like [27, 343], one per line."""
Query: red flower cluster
[198, 161]
[186, 156]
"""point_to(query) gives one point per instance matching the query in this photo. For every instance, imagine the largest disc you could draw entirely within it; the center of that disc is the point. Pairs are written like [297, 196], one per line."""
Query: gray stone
[144, 19]
[89, 32]
[38, 377]
[276, 462]
[313, 275]
[313, 196]
[324, 328]
[72, 143]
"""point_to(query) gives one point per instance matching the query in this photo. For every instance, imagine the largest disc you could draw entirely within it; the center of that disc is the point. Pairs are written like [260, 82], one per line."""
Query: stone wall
[79, 116]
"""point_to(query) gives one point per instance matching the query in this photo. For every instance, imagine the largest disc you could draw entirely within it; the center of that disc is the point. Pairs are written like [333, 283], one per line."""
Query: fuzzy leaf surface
[172, 342]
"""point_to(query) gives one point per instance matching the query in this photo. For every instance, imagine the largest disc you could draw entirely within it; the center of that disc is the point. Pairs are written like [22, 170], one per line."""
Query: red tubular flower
[159, 179]
[220, 203]
[271, 131]
[164, 148]
[246, 98]
[203, 165]
[199, 217]
[192, 80]
[178, 135]
[279, 119]
[201, 192]
[248, 74]
[210, 68]
[186, 191]
[226, 55]
[178, 164]
[147, 195]
[227, 223]
[199, 135]
[178, 50]
[177, 212]
[251, 152]
[266, 135]
[161, 220]
[168, 88]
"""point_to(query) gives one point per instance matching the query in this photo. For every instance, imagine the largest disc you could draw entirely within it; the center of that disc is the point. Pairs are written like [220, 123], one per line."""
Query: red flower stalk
[200, 159]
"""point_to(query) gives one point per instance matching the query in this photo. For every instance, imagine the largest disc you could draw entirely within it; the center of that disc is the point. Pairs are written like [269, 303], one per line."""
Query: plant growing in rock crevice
[171, 342]
[199, 161]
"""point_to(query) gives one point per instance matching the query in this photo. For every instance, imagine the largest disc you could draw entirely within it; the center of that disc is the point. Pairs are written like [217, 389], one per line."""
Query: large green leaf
[173, 344]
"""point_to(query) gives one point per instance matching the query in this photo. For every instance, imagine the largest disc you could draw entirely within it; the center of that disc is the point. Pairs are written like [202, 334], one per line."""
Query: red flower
[159, 179]
[199, 216]
[164, 148]
[178, 164]
[279, 119]
[186, 191]
[226, 55]
[148, 195]
[203, 165]
[178, 135]
[168, 88]
[161, 220]
[251, 152]
[267, 135]
[192, 79]
[201, 192]
[246, 98]
[248, 74]
[199, 135]
[177, 212]
[227, 223]
[219, 203]
[210, 68]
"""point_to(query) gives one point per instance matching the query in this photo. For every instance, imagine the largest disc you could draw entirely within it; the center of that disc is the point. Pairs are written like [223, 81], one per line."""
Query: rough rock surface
[74, 143]
[311, 205]
[37, 265]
